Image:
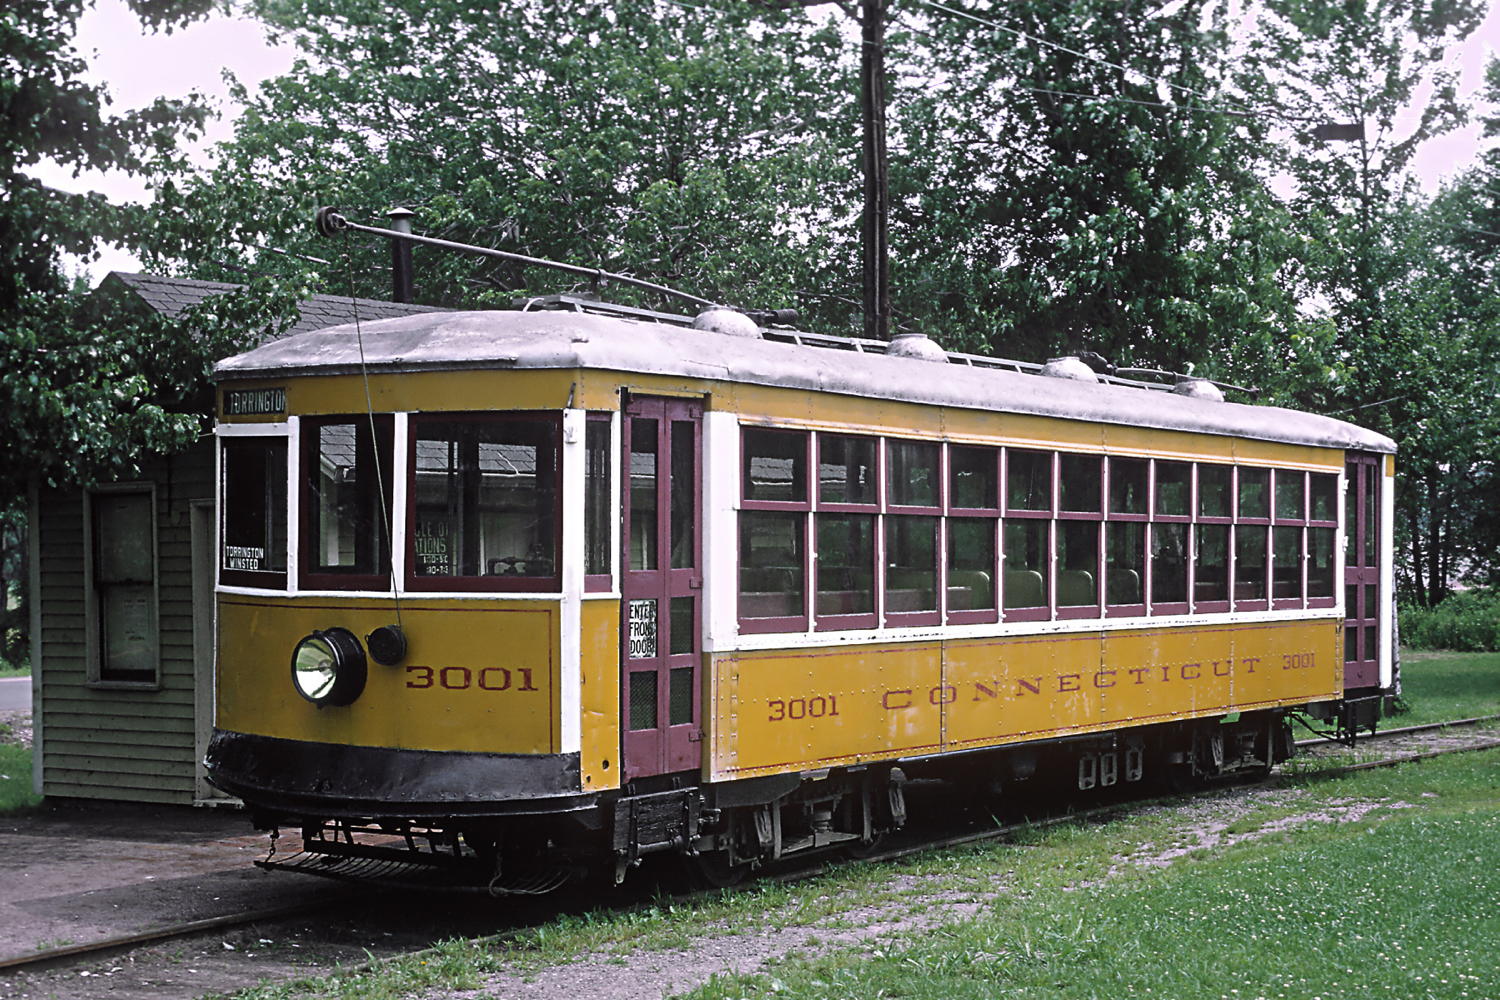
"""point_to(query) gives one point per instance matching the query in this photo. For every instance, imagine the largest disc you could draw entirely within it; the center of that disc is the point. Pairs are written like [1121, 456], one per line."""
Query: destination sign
[254, 402]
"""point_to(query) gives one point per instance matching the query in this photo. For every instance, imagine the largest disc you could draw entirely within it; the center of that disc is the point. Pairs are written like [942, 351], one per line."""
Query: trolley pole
[877, 271]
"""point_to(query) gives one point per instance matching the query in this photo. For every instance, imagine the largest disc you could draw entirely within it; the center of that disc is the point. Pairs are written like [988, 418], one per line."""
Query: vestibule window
[598, 496]
[253, 544]
[345, 464]
[485, 502]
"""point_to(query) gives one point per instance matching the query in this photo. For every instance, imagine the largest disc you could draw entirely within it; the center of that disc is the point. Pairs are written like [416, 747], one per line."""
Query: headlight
[328, 667]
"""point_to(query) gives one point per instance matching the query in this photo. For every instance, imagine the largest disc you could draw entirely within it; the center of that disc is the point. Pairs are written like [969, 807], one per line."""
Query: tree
[1375, 267]
[685, 146]
[1053, 200]
[88, 387]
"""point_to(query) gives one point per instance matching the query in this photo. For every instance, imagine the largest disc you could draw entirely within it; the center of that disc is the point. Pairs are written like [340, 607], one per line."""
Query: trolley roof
[541, 340]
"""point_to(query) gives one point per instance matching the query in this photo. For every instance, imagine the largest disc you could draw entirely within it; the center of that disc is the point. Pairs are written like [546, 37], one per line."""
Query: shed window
[485, 502]
[123, 574]
[253, 545]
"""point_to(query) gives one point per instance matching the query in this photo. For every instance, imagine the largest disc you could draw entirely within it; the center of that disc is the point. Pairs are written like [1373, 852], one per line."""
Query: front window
[485, 502]
[346, 499]
[252, 549]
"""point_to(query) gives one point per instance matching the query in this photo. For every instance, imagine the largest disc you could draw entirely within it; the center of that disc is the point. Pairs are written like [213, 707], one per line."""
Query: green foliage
[89, 384]
[15, 777]
[1051, 203]
[681, 147]
[1466, 621]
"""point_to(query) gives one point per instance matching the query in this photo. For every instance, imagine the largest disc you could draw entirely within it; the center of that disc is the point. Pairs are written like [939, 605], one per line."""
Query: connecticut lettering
[1045, 685]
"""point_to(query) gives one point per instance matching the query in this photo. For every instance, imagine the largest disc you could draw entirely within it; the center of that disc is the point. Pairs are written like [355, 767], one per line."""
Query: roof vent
[916, 345]
[726, 321]
[1198, 388]
[1069, 367]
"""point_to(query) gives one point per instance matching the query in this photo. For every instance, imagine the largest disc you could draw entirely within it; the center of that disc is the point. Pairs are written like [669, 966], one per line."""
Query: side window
[1026, 535]
[485, 502]
[774, 511]
[252, 492]
[844, 531]
[122, 564]
[345, 465]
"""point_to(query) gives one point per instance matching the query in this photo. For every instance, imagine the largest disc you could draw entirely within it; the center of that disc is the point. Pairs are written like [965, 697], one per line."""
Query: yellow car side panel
[480, 675]
[600, 646]
[804, 709]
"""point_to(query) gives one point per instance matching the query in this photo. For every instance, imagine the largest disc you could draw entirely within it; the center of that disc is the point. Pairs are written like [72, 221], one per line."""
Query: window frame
[969, 515]
[872, 509]
[1069, 612]
[308, 577]
[94, 603]
[482, 583]
[599, 583]
[1241, 521]
[1042, 612]
[801, 510]
[261, 579]
[1201, 607]
[886, 525]
[1136, 609]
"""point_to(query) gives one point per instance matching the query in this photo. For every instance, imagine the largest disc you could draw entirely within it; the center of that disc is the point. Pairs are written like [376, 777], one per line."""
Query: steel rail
[1406, 730]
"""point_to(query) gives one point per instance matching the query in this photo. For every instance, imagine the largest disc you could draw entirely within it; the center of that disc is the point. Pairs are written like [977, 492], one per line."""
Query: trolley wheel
[712, 870]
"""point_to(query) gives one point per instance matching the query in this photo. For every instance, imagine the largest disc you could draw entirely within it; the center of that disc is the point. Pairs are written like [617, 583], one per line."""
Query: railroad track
[1410, 743]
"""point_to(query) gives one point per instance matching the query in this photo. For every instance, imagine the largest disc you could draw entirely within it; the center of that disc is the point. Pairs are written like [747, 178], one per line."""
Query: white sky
[138, 67]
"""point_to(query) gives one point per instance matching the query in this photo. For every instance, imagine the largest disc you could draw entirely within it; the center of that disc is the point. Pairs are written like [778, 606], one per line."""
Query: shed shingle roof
[170, 296]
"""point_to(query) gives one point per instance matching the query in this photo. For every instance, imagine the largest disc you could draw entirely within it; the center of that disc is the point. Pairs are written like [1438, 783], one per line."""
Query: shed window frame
[99, 593]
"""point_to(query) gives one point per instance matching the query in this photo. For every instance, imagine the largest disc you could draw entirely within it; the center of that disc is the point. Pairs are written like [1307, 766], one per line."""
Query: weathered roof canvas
[516, 340]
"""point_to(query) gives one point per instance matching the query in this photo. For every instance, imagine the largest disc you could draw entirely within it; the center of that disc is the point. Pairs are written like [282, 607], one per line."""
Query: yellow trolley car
[516, 592]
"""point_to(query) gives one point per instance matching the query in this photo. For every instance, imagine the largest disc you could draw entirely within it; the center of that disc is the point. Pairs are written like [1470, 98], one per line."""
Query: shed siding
[116, 743]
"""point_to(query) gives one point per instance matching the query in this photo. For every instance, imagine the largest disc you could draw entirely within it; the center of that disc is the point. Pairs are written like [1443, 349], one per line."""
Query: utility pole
[877, 270]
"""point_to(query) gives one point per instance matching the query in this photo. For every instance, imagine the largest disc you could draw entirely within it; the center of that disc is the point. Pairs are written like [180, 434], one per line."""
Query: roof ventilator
[729, 322]
[916, 345]
[1069, 367]
[1198, 388]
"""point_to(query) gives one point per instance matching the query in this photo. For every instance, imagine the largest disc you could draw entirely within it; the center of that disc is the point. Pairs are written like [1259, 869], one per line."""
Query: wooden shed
[122, 579]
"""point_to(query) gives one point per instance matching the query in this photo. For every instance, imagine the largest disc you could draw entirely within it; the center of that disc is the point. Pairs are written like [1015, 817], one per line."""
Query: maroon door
[1362, 572]
[660, 689]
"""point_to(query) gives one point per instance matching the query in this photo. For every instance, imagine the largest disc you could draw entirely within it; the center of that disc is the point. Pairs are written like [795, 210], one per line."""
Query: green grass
[1441, 686]
[1390, 905]
[15, 777]
[1403, 905]
[6, 670]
